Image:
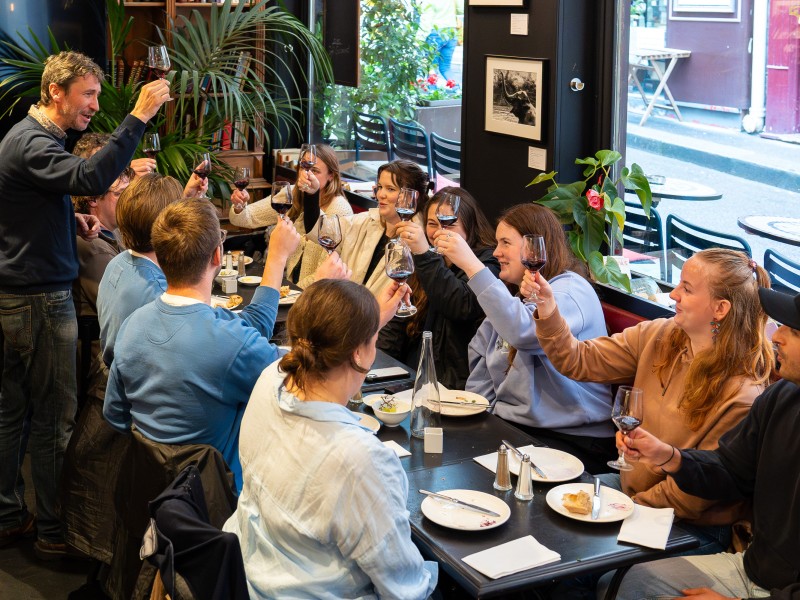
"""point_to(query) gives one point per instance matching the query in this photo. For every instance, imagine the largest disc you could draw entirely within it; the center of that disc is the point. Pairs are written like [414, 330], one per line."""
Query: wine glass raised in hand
[281, 198]
[406, 204]
[534, 257]
[447, 210]
[151, 145]
[158, 60]
[400, 266]
[308, 158]
[627, 415]
[202, 167]
[241, 178]
[329, 232]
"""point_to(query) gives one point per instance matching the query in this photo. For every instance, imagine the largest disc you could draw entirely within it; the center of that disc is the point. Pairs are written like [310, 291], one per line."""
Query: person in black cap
[757, 460]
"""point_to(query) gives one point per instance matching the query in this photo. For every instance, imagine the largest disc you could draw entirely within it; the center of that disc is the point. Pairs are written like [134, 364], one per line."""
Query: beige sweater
[260, 214]
[631, 356]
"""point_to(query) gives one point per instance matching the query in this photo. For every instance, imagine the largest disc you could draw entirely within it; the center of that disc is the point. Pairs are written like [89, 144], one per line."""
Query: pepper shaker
[524, 489]
[229, 261]
[502, 478]
[240, 267]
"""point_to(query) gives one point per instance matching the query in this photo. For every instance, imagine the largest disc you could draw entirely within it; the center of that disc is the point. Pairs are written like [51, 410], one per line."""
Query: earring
[714, 329]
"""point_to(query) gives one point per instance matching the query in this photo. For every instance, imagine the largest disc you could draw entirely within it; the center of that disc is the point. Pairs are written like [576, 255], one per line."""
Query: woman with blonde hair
[320, 186]
[327, 519]
[507, 366]
[700, 372]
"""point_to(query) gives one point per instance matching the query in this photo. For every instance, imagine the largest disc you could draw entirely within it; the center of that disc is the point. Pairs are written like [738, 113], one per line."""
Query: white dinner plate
[454, 516]
[557, 465]
[217, 301]
[369, 422]
[250, 280]
[614, 505]
[290, 298]
[473, 403]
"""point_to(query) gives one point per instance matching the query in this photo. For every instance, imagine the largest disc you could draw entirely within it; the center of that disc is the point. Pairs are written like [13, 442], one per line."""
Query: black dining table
[584, 547]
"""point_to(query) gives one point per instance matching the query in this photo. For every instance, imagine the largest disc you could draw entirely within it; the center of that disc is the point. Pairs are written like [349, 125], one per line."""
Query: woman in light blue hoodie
[507, 365]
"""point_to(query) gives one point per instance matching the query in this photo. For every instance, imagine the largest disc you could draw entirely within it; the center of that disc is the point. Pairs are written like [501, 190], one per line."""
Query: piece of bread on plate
[580, 503]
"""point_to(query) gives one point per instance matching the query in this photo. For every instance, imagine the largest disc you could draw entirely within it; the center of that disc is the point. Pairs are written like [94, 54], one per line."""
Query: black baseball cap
[784, 308]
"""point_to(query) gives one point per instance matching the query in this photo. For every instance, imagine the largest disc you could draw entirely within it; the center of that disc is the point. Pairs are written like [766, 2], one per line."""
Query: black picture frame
[342, 40]
[515, 96]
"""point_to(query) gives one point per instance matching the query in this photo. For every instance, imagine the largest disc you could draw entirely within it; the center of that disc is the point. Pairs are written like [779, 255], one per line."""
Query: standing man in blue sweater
[39, 261]
[182, 370]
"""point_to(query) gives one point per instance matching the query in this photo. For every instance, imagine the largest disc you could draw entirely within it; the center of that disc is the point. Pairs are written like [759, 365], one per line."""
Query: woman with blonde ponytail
[700, 372]
[322, 511]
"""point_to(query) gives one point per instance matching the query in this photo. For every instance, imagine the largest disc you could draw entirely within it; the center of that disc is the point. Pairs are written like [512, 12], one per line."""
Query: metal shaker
[228, 261]
[502, 478]
[240, 267]
[524, 489]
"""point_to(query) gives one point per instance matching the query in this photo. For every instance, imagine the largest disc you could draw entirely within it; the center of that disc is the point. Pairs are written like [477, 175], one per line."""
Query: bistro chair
[643, 235]
[684, 240]
[411, 142]
[785, 274]
[445, 157]
[371, 133]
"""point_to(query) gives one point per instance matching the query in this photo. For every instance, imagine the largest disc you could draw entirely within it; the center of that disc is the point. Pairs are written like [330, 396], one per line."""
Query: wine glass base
[620, 466]
[406, 311]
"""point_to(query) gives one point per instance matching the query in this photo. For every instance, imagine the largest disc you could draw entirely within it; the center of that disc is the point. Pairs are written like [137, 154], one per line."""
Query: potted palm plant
[209, 90]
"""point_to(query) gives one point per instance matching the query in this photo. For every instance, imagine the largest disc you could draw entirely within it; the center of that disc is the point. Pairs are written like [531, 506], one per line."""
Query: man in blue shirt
[39, 258]
[183, 371]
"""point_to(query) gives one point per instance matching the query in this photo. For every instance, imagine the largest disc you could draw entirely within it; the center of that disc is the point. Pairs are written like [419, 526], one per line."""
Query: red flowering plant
[436, 87]
[596, 215]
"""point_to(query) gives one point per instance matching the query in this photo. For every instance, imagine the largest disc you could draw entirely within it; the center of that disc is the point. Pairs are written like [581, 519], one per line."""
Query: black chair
[445, 156]
[785, 274]
[684, 239]
[644, 235]
[411, 142]
[371, 133]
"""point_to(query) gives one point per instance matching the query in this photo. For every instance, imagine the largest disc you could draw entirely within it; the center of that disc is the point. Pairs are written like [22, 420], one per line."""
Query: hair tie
[304, 342]
[753, 265]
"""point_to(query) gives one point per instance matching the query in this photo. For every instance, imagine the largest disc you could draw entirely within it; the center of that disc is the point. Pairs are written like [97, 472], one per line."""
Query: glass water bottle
[427, 407]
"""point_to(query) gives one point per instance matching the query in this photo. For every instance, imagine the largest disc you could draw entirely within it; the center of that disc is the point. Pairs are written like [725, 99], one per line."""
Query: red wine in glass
[406, 204]
[151, 145]
[400, 276]
[280, 207]
[202, 172]
[447, 220]
[151, 153]
[328, 243]
[533, 257]
[158, 60]
[202, 167]
[626, 423]
[405, 214]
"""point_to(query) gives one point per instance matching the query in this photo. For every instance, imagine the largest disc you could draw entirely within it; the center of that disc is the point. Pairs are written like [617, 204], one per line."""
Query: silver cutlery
[596, 499]
[474, 507]
[539, 472]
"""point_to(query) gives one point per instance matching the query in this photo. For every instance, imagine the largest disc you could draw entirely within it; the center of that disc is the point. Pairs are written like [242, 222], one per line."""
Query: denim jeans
[38, 336]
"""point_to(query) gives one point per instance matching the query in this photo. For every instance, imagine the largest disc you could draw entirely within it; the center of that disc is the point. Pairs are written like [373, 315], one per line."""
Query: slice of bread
[580, 503]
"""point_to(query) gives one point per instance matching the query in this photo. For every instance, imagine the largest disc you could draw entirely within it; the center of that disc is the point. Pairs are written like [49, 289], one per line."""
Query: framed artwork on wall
[497, 2]
[514, 104]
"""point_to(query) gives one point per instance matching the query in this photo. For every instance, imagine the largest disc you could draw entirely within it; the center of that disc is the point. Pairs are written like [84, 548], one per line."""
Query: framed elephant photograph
[514, 93]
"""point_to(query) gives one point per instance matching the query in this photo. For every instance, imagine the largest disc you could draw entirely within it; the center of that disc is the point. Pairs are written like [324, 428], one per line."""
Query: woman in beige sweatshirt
[700, 370]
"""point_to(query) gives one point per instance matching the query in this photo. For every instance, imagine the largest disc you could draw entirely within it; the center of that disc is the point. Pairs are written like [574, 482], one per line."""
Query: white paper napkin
[647, 526]
[490, 460]
[398, 449]
[511, 557]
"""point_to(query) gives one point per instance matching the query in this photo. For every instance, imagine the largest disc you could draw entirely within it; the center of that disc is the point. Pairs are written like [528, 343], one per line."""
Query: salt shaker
[228, 261]
[502, 478]
[240, 267]
[524, 489]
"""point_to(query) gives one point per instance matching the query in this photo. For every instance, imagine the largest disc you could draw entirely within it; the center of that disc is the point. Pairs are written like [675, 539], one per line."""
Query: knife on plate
[474, 507]
[539, 472]
[596, 499]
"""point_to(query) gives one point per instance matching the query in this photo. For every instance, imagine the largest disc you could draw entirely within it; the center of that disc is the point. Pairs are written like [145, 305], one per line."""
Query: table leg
[662, 84]
[633, 70]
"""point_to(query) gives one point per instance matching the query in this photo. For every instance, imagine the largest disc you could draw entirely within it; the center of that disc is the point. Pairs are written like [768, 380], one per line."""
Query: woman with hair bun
[322, 513]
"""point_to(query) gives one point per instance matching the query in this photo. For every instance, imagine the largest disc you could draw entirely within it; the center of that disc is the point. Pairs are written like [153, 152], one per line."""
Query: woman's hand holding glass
[196, 187]
[390, 298]
[333, 267]
[640, 445]
[307, 181]
[455, 248]
[534, 283]
[239, 199]
[413, 235]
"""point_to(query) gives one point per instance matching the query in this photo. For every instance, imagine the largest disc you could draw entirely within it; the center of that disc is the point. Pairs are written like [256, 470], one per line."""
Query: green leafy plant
[596, 216]
[209, 91]
[392, 58]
